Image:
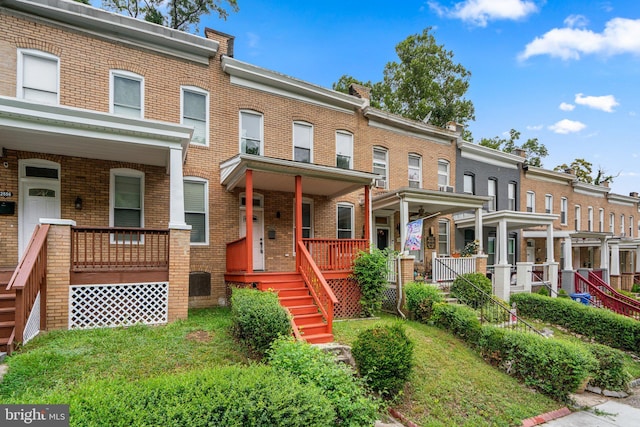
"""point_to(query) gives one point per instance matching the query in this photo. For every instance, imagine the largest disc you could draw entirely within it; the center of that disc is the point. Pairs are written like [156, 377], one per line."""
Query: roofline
[411, 125]
[590, 188]
[120, 28]
[557, 176]
[489, 153]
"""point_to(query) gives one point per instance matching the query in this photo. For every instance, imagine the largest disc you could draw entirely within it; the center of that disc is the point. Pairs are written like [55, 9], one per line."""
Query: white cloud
[620, 35]
[480, 12]
[604, 103]
[535, 127]
[566, 126]
[629, 174]
[253, 40]
[566, 107]
[573, 21]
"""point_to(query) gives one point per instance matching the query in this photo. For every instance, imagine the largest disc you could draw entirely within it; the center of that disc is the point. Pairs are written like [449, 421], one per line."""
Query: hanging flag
[414, 235]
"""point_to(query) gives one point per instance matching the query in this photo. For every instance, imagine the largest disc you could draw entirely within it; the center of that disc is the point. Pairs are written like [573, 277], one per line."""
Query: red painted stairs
[294, 294]
[7, 312]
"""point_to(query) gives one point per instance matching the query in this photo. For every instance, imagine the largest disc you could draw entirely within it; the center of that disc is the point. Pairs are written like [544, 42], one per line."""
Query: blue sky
[566, 72]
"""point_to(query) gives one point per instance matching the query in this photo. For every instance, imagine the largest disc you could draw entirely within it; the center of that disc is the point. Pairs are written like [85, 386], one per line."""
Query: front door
[382, 239]
[258, 233]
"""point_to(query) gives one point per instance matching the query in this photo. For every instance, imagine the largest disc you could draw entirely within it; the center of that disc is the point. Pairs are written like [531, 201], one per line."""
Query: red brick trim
[543, 418]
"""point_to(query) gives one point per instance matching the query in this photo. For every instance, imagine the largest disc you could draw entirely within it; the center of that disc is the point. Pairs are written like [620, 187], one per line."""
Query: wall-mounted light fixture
[78, 203]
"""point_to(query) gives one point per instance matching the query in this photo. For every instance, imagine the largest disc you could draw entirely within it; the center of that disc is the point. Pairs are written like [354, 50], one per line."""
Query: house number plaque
[6, 194]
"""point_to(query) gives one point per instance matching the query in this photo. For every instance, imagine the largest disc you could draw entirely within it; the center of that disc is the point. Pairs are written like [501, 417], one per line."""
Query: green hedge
[472, 295]
[229, 396]
[610, 373]
[420, 299]
[603, 326]
[554, 367]
[258, 319]
[346, 392]
[461, 320]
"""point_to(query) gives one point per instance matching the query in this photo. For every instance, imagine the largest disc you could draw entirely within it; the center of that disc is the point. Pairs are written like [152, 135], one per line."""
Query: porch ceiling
[66, 131]
[429, 201]
[271, 174]
[515, 220]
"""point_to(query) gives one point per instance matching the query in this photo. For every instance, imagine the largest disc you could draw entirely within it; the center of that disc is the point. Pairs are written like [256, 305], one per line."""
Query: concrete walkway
[610, 413]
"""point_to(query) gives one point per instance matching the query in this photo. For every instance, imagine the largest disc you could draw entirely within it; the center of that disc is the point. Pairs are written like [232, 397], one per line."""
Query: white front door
[39, 199]
[258, 236]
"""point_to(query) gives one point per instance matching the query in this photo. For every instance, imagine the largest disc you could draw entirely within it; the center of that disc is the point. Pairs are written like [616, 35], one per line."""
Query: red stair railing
[320, 290]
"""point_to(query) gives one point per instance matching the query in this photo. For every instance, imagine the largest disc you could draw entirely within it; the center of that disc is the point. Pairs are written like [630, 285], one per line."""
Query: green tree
[177, 14]
[426, 82]
[583, 171]
[534, 150]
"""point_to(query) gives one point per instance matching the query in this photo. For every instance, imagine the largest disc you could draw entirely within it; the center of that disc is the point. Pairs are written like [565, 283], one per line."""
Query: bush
[229, 396]
[461, 320]
[635, 288]
[471, 289]
[370, 271]
[562, 293]
[384, 356]
[258, 319]
[495, 312]
[610, 373]
[420, 299]
[543, 291]
[554, 367]
[603, 326]
[310, 365]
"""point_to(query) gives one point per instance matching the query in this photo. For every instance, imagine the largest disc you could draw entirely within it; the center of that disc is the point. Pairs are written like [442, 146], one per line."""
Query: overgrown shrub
[384, 356]
[461, 320]
[258, 319]
[635, 288]
[471, 288]
[610, 372]
[554, 367]
[228, 396]
[420, 299]
[562, 293]
[543, 291]
[370, 270]
[338, 383]
[603, 326]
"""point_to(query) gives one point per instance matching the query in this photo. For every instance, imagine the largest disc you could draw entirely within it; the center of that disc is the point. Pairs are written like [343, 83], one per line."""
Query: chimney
[455, 127]
[359, 91]
[633, 194]
[570, 171]
[226, 41]
[520, 152]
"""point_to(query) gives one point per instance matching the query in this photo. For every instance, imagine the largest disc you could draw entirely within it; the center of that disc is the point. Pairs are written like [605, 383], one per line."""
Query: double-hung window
[531, 201]
[601, 220]
[563, 211]
[127, 94]
[468, 185]
[195, 113]
[578, 213]
[345, 221]
[443, 174]
[126, 200]
[344, 150]
[492, 191]
[195, 209]
[380, 163]
[443, 237]
[589, 218]
[251, 133]
[415, 171]
[511, 196]
[548, 203]
[622, 224]
[302, 142]
[38, 76]
[612, 223]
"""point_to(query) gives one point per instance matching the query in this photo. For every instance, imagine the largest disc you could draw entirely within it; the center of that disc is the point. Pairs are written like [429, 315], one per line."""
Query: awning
[428, 201]
[514, 220]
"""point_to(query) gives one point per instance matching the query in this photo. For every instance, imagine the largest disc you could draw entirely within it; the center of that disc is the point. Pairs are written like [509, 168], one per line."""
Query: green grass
[452, 386]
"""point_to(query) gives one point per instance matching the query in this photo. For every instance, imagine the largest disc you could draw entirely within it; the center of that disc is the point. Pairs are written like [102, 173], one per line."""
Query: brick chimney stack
[520, 152]
[359, 91]
[633, 194]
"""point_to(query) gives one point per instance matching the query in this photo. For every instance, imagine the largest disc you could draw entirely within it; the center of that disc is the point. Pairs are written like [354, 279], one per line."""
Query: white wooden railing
[445, 269]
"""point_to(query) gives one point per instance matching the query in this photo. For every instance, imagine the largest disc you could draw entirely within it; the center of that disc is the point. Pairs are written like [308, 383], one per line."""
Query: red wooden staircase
[7, 312]
[604, 296]
[294, 295]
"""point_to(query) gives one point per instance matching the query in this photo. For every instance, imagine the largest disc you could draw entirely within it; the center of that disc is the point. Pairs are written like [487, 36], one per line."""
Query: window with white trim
[302, 142]
[631, 223]
[345, 221]
[612, 223]
[443, 237]
[531, 201]
[380, 162]
[548, 203]
[622, 224]
[491, 250]
[126, 199]
[443, 173]
[415, 171]
[344, 150]
[589, 218]
[577, 212]
[511, 196]
[195, 113]
[251, 131]
[511, 250]
[196, 210]
[126, 97]
[468, 183]
[563, 211]
[601, 220]
[38, 76]
[492, 191]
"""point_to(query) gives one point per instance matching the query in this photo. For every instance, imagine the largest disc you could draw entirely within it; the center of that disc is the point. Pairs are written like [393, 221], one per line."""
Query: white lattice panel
[32, 327]
[96, 306]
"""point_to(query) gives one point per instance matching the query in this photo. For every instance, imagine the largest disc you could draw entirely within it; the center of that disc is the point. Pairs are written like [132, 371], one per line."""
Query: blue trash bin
[582, 297]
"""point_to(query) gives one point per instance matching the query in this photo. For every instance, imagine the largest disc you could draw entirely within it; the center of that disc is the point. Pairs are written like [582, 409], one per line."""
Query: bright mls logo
[34, 415]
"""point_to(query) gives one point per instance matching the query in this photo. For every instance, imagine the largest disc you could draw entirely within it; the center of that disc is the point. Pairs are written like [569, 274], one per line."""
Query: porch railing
[28, 281]
[322, 294]
[335, 254]
[112, 248]
[601, 299]
[446, 269]
[607, 289]
[539, 274]
[237, 255]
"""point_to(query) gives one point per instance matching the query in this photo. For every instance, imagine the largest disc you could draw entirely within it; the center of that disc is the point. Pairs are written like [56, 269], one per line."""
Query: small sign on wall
[6, 194]
[7, 208]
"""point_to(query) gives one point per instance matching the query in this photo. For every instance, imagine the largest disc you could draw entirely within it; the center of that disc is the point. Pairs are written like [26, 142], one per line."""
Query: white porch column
[553, 278]
[615, 258]
[502, 242]
[637, 259]
[502, 270]
[404, 220]
[604, 254]
[568, 254]
[523, 271]
[176, 190]
[479, 231]
[550, 243]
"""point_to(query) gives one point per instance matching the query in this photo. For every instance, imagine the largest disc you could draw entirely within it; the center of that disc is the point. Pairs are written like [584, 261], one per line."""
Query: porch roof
[273, 174]
[515, 220]
[67, 131]
[429, 201]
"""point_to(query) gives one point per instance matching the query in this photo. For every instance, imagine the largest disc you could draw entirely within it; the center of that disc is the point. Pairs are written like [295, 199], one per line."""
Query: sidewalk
[610, 413]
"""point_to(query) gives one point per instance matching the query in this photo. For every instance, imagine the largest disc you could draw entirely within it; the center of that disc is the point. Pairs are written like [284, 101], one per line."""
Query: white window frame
[448, 239]
[308, 201]
[112, 196]
[577, 210]
[240, 138]
[197, 91]
[351, 207]
[415, 168]
[589, 218]
[564, 209]
[531, 201]
[511, 196]
[469, 180]
[492, 192]
[548, 203]
[20, 71]
[446, 174]
[198, 180]
[612, 223]
[293, 133]
[350, 135]
[601, 220]
[622, 224]
[127, 75]
[381, 164]
[631, 224]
